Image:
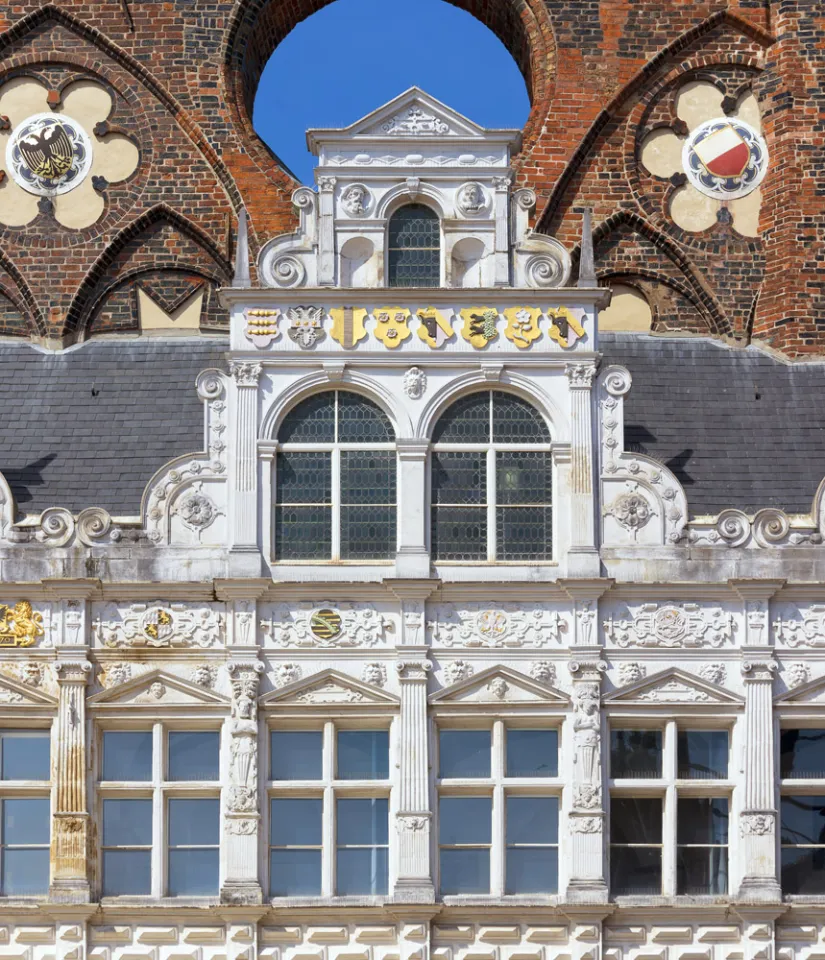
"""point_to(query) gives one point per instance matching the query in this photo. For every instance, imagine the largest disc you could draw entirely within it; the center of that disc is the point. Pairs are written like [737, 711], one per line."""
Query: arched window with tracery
[491, 481]
[414, 247]
[335, 481]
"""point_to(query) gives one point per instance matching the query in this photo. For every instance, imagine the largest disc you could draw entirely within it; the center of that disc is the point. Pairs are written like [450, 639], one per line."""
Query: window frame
[399, 204]
[335, 448]
[159, 790]
[491, 449]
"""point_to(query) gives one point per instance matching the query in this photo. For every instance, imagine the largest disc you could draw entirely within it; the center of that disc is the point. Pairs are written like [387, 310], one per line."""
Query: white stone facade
[185, 617]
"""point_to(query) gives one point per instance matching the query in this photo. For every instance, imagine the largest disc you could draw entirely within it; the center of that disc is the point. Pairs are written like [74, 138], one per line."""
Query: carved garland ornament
[175, 625]
[325, 627]
[505, 626]
[808, 630]
[671, 625]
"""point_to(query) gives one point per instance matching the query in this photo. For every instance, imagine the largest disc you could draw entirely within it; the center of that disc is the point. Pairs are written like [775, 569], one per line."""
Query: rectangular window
[803, 844]
[296, 754]
[636, 846]
[127, 847]
[295, 846]
[532, 834]
[635, 754]
[194, 756]
[25, 755]
[194, 836]
[524, 516]
[24, 846]
[802, 754]
[459, 511]
[368, 510]
[703, 755]
[362, 846]
[532, 753]
[702, 846]
[465, 836]
[303, 511]
[463, 753]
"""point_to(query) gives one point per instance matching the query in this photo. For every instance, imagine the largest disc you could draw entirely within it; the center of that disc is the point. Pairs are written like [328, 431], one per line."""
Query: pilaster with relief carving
[583, 558]
[244, 481]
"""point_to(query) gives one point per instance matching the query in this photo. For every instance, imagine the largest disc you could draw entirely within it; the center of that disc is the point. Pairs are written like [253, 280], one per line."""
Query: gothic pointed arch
[20, 315]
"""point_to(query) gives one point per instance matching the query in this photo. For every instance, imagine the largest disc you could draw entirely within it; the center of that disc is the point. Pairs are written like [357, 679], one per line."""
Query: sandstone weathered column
[244, 490]
[326, 231]
[583, 558]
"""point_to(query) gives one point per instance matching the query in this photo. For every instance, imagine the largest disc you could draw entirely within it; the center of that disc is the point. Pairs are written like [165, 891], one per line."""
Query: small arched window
[414, 247]
[335, 481]
[491, 481]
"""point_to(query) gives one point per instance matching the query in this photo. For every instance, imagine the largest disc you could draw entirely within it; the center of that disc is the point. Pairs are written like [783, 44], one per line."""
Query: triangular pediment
[673, 686]
[14, 693]
[499, 685]
[328, 688]
[157, 688]
[813, 691]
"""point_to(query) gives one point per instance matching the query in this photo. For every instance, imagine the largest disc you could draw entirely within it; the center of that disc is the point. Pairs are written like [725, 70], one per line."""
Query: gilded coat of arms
[522, 325]
[479, 325]
[433, 327]
[392, 326]
[348, 325]
[565, 329]
[306, 326]
[20, 626]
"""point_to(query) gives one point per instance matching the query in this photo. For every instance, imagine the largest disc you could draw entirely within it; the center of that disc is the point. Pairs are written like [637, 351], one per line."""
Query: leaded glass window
[335, 481]
[491, 481]
[414, 247]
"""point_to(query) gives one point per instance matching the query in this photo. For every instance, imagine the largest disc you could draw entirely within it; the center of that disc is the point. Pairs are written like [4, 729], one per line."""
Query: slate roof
[737, 427]
[91, 425]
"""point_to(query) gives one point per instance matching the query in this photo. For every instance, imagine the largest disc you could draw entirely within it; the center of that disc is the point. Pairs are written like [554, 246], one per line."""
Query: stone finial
[587, 270]
[242, 277]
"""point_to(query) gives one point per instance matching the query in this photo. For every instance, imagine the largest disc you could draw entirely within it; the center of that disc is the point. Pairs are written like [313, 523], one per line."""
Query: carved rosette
[758, 824]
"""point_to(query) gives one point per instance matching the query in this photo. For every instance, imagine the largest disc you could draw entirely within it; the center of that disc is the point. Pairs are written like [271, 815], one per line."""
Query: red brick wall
[602, 72]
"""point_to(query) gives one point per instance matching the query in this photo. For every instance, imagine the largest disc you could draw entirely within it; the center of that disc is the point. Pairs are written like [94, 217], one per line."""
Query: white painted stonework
[183, 615]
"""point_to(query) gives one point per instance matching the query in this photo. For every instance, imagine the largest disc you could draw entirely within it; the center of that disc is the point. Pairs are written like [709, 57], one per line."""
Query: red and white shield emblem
[724, 153]
[725, 158]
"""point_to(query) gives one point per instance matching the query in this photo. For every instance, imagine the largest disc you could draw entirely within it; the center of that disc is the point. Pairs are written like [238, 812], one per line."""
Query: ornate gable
[157, 688]
[500, 685]
[672, 686]
[329, 688]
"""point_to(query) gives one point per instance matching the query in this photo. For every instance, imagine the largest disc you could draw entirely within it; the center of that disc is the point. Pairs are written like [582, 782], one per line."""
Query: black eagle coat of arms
[49, 153]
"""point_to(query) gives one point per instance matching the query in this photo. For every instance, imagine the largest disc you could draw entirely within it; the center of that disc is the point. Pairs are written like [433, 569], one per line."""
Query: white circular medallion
[49, 154]
[725, 158]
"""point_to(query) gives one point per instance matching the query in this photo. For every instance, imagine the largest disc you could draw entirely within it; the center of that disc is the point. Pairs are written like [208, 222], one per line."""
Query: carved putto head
[796, 674]
[374, 673]
[544, 672]
[631, 673]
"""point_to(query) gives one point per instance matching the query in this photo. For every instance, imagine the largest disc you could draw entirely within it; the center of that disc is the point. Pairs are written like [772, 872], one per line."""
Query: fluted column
[502, 212]
[245, 467]
[326, 232]
[70, 817]
[414, 818]
[583, 554]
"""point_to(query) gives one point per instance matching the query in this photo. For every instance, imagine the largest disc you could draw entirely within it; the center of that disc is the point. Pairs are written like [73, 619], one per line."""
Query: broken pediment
[14, 693]
[329, 687]
[672, 686]
[499, 685]
[157, 688]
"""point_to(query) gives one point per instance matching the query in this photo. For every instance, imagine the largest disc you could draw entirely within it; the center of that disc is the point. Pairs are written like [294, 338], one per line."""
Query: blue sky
[354, 55]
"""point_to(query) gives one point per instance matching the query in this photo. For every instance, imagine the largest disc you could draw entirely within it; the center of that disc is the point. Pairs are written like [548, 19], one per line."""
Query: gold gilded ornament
[433, 327]
[19, 625]
[348, 326]
[522, 325]
[262, 326]
[479, 325]
[565, 329]
[392, 326]
[325, 624]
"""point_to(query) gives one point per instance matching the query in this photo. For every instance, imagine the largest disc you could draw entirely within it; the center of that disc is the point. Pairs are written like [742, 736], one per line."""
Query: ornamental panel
[506, 625]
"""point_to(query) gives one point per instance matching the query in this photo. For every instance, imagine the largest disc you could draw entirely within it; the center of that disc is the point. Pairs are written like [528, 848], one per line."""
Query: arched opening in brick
[365, 52]
[258, 26]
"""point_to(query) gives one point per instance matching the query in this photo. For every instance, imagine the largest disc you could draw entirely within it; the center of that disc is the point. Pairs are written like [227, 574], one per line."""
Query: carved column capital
[754, 671]
[245, 373]
[589, 670]
[73, 671]
[413, 670]
[581, 374]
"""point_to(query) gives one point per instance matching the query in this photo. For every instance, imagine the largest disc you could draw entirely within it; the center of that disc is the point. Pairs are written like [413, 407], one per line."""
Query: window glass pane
[532, 820]
[194, 756]
[368, 533]
[193, 822]
[532, 753]
[25, 872]
[362, 821]
[296, 754]
[25, 756]
[368, 477]
[465, 820]
[532, 870]
[465, 871]
[703, 754]
[459, 478]
[459, 533]
[127, 872]
[363, 754]
[304, 477]
[295, 821]
[127, 823]
[635, 820]
[311, 421]
[635, 870]
[361, 871]
[803, 819]
[635, 753]
[26, 821]
[803, 870]
[464, 753]
[362, 421]
[295, 873]
[702, 820]
[524, 533]
[465, 421]
[701, 870]
[802, 753]
[127, 756]
[414, 247]
[523, 477]
[303, 533]
[516, 421]
[193, 872]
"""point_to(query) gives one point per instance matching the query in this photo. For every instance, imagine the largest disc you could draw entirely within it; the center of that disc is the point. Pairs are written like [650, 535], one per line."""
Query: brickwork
[602, 74]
